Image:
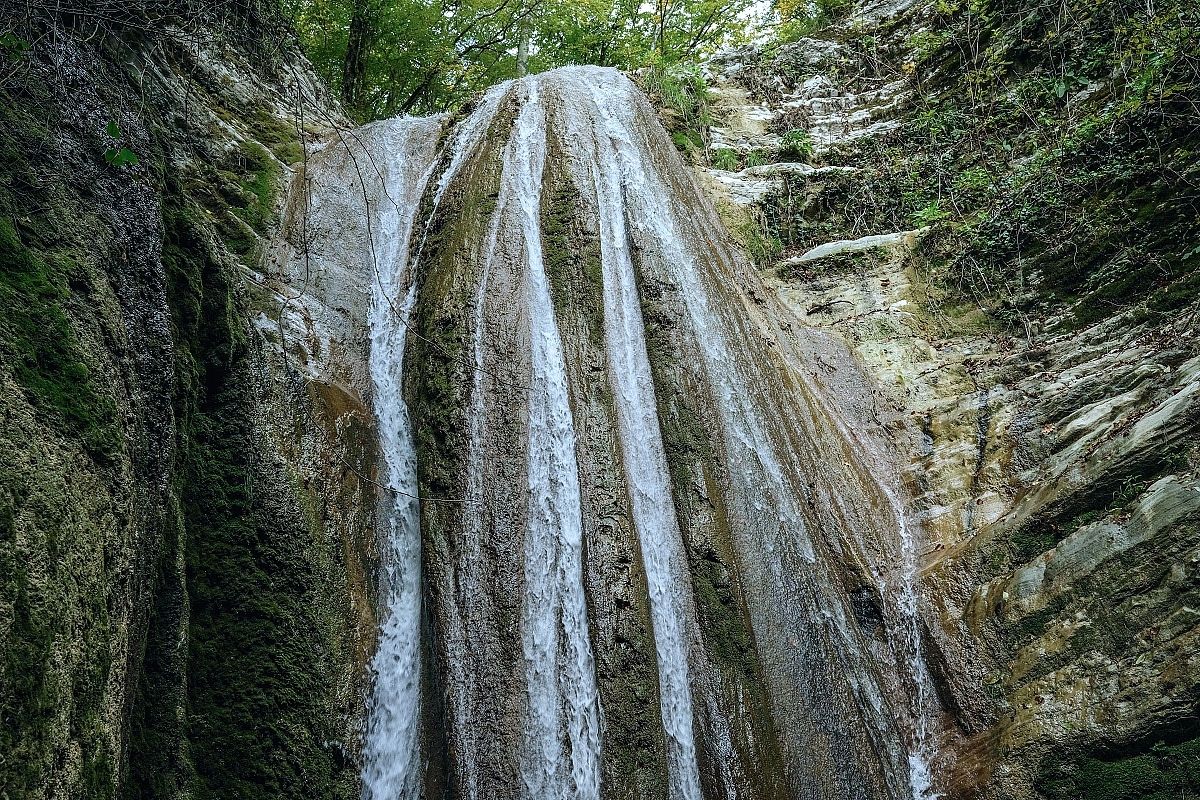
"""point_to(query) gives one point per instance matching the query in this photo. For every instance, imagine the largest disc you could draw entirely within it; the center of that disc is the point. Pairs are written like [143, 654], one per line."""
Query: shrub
[725, 158]
[930, 214]
[796, 145]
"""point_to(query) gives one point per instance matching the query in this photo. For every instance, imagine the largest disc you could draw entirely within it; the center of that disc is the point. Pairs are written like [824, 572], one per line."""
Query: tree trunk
[354, 67]
[523, 52]
[662, 28]
[416, 94]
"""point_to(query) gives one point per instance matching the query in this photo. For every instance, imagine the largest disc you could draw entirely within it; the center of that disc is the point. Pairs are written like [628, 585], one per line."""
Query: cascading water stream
[560, 674]
[902, 583]
[751, 450]
[391, 748]
[922, 751]
[751, 444]
[649, 483]
[467, 138]
[561, 758]
[522, 686]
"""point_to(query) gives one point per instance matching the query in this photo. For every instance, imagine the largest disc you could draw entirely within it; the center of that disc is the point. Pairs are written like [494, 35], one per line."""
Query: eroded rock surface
[1055, 462]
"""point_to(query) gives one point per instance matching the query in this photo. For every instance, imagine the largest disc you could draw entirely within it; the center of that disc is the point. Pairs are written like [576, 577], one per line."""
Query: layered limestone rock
[1055, 469]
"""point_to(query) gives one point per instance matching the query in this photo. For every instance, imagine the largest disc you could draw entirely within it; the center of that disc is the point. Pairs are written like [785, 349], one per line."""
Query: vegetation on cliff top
[389, 57]
[1054, 148]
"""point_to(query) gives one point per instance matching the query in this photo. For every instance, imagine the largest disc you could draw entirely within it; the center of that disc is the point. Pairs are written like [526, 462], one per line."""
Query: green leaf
[113, 131]
[1060, 89]
[119, 158]
[15, 45]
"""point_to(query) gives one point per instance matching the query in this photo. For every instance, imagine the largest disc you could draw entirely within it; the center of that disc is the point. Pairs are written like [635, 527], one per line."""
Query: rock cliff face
[185, 507]
[914, 493]
[1010, 253]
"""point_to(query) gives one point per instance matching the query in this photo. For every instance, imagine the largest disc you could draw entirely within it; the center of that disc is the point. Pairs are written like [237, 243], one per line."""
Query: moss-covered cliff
[181, 548]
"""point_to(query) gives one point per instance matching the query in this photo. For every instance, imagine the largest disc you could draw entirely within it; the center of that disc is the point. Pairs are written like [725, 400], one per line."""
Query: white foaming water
[641, 442]
[561, 754]
[750, 448]
[632, 188]
[903, 584]
[391, 748]
[470, 133]
[922, 752]
[467, 138]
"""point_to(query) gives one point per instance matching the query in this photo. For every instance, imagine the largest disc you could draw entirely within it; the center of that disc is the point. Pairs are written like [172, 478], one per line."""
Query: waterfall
[779, 555]
[467, 138]
[510, 399]
[922, 750]
[560, 757]
[750, 447]
[559, 670]
[391, 749]
[645, 460]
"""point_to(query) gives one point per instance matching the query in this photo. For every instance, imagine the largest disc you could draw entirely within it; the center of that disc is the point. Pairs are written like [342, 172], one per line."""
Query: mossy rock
[46, 358]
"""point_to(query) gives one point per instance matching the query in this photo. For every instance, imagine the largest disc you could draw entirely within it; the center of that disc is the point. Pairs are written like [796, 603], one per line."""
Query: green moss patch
[259, 182]
[1160, 772]
[42, 348]
[258, 668]
[572, 257]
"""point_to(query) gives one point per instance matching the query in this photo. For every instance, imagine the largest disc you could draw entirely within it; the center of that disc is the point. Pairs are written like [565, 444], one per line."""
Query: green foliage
[756, 158]
[1060, 143]
[799, 18]
[973, 179]
[930, 214]
[117, 155]
[121, 157]
[1162, 772]
[926, 43]
[680, 88]
[690, 142]
[681, 93]
[388, 57]
[760, 243]
[725, 158]
[796, 144]
[41, 346]
[12, 46]
[630, 35]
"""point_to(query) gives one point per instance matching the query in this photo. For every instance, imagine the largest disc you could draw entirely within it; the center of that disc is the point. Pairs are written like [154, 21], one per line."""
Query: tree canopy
[390, 57]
